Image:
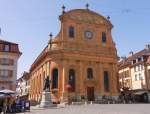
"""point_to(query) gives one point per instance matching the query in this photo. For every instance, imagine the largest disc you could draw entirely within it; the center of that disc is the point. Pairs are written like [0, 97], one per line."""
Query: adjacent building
[81, 60]
[9, 55]
[134, 71]
[23, 85]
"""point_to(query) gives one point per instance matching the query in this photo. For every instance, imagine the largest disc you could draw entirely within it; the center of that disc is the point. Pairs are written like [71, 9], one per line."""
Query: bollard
[85, 102]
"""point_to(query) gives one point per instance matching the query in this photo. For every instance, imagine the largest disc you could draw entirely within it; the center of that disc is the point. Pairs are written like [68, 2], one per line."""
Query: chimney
[131, 53]
[147, 47]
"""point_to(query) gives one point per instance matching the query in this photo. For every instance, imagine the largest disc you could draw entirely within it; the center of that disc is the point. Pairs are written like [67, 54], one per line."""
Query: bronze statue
[47, 84]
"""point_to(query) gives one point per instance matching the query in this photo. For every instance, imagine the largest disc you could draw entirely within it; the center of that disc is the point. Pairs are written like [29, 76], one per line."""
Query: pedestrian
[13, 107]
[1, 105]
[23, 105]
[5, 106]
[10, 101]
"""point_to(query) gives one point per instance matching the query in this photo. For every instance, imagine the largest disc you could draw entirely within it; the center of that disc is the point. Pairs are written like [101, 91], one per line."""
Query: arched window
[104, 38]
[71, 32]
[55, 78]
[106, 81]
[72, 79]
[90, 73]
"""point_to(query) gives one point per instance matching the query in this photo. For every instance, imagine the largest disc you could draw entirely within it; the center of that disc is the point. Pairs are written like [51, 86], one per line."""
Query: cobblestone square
[96, 109]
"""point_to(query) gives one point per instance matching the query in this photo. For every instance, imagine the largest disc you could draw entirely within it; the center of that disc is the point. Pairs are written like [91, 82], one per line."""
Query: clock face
[88, 34]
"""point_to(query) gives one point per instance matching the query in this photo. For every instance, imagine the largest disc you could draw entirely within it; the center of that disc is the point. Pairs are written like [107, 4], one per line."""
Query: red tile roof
[4, 41]
[127, 62]
[14, 48]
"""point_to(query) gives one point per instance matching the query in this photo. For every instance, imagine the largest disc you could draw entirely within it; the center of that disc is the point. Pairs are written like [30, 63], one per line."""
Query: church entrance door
[90, 94]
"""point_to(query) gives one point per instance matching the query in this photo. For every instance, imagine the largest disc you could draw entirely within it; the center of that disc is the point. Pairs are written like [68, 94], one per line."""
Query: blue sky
[28, 22]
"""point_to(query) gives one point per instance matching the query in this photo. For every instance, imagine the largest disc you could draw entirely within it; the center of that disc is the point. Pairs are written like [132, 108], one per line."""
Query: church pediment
[86, 16]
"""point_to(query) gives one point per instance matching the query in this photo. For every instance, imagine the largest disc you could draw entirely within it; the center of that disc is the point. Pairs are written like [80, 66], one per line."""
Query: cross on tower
[63, 9]
[51, 35]
[50, 41]
[87, 6]
[108, 17]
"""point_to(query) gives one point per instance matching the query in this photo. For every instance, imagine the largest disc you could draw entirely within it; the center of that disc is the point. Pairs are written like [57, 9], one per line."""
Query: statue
[47, 84]
[46, 101]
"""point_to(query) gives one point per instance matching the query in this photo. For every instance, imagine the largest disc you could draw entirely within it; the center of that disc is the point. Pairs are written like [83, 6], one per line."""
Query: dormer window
[71, 32]
[134, 61]
[104, 38]
[6, 47]
[139, 59]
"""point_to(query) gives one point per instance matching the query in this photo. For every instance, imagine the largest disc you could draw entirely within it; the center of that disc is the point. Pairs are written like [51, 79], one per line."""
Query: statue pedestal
[46, 100]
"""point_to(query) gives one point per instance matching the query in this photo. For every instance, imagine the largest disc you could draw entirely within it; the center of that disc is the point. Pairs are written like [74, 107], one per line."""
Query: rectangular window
[6, 47]
[6, 73]
[136, 78]
[139, 67]
[71, 32]
[142, 58]
[106, 81]
[90, 73]
[134, 69]
[142, 67]
[104, 38]
[140, 76]
[134, 61]
[139, 59]
[5, 61]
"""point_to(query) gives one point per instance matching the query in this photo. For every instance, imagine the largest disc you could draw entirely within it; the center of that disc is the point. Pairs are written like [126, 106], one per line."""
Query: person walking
[10, 101]
[1, 105]
[5, 106]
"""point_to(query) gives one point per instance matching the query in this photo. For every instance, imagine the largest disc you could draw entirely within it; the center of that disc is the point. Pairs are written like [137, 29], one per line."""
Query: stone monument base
[46, 100]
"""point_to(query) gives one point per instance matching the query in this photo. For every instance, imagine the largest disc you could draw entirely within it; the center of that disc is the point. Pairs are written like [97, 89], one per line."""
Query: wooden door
[90, 94]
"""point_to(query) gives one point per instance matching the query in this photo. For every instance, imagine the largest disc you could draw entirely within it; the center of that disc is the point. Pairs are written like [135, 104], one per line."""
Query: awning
[7, 91]
[140, 92]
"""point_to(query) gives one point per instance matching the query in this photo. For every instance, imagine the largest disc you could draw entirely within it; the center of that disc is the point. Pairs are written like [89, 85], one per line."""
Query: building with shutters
[23, 85]
[9, 55]
[134, 72]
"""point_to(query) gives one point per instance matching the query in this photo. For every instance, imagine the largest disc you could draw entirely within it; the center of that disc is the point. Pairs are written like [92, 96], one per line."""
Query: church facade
[81, 61]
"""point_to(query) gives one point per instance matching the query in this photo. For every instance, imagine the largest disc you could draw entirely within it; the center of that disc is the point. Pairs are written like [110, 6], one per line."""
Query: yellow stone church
[81, 60]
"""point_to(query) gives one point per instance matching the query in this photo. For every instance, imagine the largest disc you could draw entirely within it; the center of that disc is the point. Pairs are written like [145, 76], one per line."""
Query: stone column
[80, 77]
[49, 71]
[60, 78]
[111, 78]
[101, 78]
[115, 81]
[77, 77]
[42, 81]
[64, 79]
[46, 70]
[97, 78]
